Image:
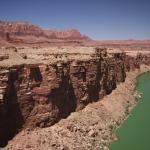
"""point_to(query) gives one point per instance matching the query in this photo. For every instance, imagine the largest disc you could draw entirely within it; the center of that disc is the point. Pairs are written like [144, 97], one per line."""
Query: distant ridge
[22, 29]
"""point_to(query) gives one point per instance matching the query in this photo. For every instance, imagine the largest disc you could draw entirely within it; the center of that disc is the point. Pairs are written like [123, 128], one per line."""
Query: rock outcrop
[39, 95]
[12, 30]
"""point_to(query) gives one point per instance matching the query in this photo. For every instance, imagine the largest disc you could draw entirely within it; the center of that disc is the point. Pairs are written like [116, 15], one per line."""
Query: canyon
[57, 87]
[39, 94]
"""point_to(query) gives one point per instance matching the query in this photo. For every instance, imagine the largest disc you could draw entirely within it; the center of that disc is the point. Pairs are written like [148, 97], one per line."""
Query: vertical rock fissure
[12, 117]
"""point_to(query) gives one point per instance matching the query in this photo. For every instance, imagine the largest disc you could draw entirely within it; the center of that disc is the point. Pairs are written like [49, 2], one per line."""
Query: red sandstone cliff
[24, 29]
[39, 95]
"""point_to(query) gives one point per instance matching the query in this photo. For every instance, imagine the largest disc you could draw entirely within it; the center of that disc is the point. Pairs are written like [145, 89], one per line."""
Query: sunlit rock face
[39, 95]
[11, 30]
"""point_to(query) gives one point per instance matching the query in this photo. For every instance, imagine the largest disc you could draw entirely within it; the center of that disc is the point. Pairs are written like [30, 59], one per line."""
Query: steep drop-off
[39, 95]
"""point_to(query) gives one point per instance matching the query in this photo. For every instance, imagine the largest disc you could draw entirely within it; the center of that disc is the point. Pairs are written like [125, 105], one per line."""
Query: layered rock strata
[39, 95]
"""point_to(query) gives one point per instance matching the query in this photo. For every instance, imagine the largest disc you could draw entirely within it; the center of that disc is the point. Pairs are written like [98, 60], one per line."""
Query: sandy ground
[48, 55]
[45, 55]
[93, 128]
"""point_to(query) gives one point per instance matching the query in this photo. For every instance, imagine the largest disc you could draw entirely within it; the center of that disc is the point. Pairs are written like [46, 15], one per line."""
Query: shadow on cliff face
[64, 99]
[72, 101]
[10, 114]
[94, 89]
[35, 74]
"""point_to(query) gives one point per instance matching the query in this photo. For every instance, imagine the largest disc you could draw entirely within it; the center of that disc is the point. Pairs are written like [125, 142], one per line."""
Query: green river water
[134, 134]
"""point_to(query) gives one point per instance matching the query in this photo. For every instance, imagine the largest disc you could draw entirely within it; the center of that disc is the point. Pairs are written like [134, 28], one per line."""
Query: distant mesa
[15, 33]
[25, 30]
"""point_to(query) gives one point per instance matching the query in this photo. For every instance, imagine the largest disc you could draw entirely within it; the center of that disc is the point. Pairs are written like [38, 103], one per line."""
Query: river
[134, 134]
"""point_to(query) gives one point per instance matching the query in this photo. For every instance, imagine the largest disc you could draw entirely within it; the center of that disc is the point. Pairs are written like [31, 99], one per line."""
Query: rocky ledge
[34, 96]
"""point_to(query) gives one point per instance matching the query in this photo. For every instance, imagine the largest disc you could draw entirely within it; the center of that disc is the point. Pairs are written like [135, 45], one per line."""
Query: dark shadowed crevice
[11, 120]
[93, 90]
[35, 74]
[64, 99]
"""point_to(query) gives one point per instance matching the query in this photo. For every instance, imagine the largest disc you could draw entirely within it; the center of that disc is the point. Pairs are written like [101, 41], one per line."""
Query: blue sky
[99, 19]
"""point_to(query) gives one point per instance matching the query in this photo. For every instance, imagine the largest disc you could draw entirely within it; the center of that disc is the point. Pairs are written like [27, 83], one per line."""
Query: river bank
[92, 128]
[131, 97]
[133, 134]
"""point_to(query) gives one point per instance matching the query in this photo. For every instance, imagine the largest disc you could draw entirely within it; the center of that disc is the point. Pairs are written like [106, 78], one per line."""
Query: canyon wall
[39, 95]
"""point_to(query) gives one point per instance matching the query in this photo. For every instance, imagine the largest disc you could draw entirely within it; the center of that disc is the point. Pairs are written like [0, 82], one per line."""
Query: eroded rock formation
[39, 95]
[17, 29]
